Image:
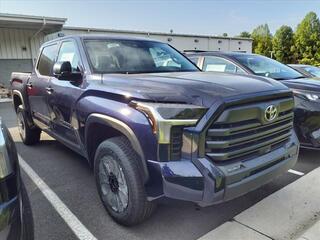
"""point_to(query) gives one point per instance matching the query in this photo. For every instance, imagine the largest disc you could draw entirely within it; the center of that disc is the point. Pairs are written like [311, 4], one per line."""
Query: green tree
[245, 34]
[307, 40]
[225, 34]
[262, 40]
[282, 43]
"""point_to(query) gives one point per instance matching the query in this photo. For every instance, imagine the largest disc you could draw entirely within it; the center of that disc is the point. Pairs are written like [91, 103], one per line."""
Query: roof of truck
[215, 53]
[101, 36]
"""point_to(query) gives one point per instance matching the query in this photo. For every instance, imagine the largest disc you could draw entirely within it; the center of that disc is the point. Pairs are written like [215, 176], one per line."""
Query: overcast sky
[198, 16]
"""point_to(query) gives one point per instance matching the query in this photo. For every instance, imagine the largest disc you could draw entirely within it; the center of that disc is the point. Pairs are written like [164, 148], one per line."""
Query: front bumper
[204, 182]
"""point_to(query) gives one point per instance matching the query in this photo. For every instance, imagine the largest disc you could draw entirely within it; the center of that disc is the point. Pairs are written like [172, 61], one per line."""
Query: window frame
[77, 51]
[38, 60]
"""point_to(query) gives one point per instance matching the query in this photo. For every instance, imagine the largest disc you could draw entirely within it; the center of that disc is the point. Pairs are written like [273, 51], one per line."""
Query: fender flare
[19, 94]
[125, 130]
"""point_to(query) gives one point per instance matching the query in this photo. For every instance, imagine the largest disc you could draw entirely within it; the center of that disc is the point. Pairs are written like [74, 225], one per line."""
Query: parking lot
[68, 175]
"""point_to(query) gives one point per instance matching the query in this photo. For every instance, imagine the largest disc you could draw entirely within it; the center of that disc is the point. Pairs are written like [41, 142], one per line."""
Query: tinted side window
[217, 64]
[47, 59]
[68, 52]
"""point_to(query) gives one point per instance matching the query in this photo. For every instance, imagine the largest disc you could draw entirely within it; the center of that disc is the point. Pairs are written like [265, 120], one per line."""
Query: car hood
[201, 88]
[311, 84]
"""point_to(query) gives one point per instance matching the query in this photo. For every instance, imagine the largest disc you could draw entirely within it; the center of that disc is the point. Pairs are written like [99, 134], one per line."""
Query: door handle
[49, 90]
[29, 85]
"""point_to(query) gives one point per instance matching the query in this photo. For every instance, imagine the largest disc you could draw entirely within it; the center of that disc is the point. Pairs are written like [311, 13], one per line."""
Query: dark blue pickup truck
[152, 125]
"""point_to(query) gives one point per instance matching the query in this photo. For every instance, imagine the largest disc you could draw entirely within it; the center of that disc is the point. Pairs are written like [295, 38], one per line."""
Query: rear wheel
[119, 182]
[28, 135]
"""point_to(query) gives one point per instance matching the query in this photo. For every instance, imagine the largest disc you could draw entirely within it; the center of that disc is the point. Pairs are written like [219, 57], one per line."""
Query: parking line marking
[295, 172]
[70, 219]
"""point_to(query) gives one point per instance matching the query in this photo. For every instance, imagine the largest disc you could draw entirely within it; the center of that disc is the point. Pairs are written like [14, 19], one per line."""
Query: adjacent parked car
[16, 222]
[306, 90]
[306, 70]
[152, 125]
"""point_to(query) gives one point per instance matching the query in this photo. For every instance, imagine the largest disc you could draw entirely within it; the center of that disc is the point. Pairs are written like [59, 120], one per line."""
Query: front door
[64, 96]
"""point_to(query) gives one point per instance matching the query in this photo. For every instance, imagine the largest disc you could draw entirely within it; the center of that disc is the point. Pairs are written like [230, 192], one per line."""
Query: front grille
[242, 132]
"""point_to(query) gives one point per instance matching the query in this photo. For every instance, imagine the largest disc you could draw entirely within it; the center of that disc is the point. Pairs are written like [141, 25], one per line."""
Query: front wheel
[118, 177]
[28, 135]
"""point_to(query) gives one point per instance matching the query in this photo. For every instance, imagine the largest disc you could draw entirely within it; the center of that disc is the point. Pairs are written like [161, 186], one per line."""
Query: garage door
[7, 66]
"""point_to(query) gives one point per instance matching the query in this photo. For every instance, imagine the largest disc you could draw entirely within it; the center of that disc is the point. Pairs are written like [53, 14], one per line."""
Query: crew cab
[152, 125]
[306, 89]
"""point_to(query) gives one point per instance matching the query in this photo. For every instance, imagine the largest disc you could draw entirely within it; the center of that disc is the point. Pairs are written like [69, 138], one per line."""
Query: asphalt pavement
[68, 175]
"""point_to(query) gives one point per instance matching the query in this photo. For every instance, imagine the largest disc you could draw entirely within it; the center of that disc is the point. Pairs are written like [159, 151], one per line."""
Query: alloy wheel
[113, 184]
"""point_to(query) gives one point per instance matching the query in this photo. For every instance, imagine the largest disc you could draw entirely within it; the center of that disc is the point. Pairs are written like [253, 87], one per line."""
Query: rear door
[37, 86]
[64, 95]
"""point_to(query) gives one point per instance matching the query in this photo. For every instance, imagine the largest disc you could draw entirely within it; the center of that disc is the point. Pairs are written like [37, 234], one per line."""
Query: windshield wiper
[289, 78]
[281, 78]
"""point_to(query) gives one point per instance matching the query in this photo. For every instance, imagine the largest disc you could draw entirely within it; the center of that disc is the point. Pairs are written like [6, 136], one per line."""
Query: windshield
[314, 71]
[267, 67]
[135, 56]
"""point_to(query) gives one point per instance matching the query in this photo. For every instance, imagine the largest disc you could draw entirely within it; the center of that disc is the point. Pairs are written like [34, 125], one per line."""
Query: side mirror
[63, 71]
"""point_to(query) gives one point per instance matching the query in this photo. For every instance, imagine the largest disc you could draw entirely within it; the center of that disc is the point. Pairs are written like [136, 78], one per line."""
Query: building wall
[19, 43]
[18, 51]
[181, 42]
[7, 66]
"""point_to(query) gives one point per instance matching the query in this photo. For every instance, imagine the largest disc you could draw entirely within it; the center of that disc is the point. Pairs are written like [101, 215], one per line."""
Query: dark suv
[152, 125]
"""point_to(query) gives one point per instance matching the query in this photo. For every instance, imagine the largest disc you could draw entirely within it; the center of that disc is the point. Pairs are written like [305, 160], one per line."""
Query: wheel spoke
[105, 189]
[113, 201]
[103, 178]
[123, 198]
[121, 178]
[120, 204]
[114, 167]
[106, 166]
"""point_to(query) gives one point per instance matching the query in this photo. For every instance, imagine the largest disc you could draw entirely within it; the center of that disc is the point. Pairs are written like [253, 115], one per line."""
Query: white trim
[295, 172]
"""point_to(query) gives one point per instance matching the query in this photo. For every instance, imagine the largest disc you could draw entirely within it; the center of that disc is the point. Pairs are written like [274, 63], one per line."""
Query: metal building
[22, 35]
[179, 41]
[20, 39]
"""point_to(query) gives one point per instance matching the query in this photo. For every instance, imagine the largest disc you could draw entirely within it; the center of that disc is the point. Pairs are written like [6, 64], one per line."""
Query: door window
[46, 60]
[68, 53]
[217, 64]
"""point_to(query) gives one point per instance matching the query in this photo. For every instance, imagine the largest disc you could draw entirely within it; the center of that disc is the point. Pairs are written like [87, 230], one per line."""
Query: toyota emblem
[270, 113]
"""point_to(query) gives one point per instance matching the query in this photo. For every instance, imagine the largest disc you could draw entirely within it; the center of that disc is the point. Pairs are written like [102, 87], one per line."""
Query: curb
[313, 233]
[5, 100]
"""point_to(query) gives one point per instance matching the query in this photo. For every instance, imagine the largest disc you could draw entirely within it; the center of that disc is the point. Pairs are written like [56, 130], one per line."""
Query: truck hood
[201, 88]
[311, 84]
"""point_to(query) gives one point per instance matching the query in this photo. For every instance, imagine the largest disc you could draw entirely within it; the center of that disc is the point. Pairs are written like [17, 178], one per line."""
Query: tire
[128, 204]
[28, 226]
[29, 136]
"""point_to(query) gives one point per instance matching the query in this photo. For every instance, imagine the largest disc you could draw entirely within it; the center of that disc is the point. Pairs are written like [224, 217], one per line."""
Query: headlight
[311, 96]
[5, 165]
[163, 116]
